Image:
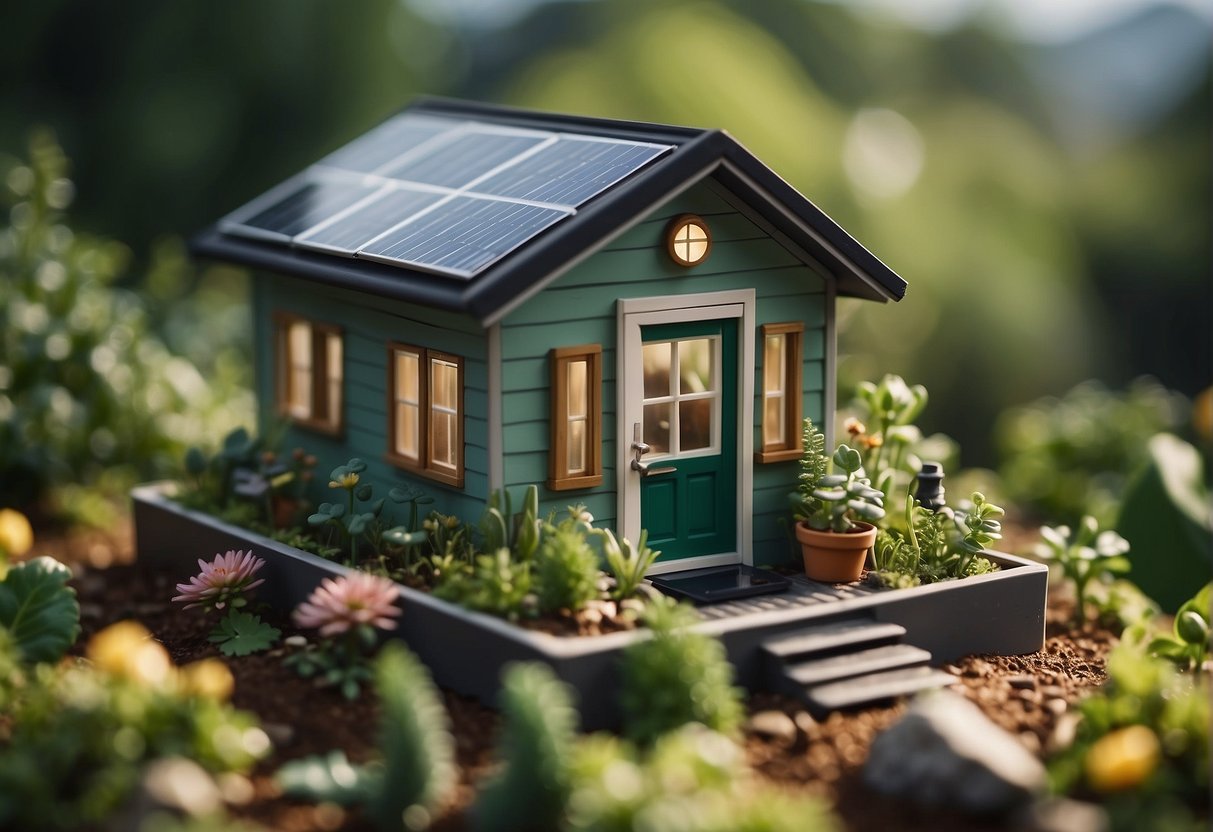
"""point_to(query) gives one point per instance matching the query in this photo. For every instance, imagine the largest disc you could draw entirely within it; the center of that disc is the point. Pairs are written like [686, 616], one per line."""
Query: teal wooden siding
[368, 323]
[580, 308]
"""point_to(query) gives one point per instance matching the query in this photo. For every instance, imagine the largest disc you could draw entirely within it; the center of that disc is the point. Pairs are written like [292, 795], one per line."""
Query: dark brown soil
[1029, 695]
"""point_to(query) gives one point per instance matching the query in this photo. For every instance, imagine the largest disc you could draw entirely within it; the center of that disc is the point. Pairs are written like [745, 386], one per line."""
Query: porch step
[832, 637]
[861, 663]
[875, 687]
[848, 663]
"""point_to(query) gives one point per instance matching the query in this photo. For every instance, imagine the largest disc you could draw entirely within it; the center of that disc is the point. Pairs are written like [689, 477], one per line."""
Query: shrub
[566, 568]
[675, 677]
[535, 747]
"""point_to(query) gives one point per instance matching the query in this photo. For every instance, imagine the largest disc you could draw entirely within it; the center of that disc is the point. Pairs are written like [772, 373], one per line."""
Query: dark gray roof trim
[857, 271]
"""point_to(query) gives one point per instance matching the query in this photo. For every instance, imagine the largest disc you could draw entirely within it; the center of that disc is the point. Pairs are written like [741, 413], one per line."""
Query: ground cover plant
[223, 586]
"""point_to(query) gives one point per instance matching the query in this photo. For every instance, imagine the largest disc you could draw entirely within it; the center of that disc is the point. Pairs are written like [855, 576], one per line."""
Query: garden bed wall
[1002, 612]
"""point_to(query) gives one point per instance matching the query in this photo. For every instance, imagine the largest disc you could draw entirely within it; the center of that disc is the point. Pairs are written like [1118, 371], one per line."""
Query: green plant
[501, 528]
[839, 501]
[240, 633]
[1188, 644]
[979, 526]
[691, 779]
[891, 406]
[494, 584]
[676, 676]
[628, 564]
[344, 517]
[39, 610]
[1142, 746]
[814, 464]
[1083, 555]
[565, 569]
[210, 479]
[936, 546]
[536, 744]
[224, 584]
[78, 735]
[416, 769]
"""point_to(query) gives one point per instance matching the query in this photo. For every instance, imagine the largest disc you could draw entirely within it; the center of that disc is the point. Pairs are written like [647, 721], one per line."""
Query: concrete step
[861, 663]
[831, 637]
[876, 687]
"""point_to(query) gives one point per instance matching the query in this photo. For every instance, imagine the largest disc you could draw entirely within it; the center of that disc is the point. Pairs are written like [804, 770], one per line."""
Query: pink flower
[348, 602]
[222, 581]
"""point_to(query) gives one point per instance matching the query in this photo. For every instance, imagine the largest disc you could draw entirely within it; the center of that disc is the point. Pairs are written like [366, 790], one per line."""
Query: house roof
[664, 160]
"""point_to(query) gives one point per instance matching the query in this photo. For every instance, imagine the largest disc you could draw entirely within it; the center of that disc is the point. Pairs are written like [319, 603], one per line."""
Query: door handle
[646, 470]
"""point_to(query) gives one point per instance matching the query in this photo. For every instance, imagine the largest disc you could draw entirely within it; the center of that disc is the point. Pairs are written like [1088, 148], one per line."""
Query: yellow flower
[208, 678]
[16, 536]
[1122, 759]
[346, 481]
[128, 649]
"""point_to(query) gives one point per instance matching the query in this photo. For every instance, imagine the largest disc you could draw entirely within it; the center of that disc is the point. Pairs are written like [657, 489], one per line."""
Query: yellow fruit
[16, 536]
[1123, 759]
[128, 649]
[208, 678]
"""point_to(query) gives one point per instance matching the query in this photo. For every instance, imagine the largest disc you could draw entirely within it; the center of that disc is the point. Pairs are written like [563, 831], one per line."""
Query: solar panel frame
[344, 192]
[427, 131]
[339, 235]
[411, 245]
[543, 168]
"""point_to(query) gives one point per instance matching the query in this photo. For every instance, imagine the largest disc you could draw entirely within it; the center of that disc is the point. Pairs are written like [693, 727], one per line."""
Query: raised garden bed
[1001, 612]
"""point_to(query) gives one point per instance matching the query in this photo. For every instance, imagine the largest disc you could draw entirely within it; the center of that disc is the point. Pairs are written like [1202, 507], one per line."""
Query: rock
[171, 784]
[775, 725]
[1053, 692]
[1064, 733]
[807, 726]
[945, 751]
[1061, 814]
[280, 734]
[1057, 707]
[295, 641]
[1022, 682]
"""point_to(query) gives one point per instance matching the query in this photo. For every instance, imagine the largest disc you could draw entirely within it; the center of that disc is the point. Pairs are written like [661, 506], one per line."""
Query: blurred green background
[1039, 173]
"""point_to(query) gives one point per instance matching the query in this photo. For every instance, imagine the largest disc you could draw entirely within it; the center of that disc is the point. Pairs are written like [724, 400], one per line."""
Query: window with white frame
[575, 456]
[425, 426]
[781, 392]
[308, 372]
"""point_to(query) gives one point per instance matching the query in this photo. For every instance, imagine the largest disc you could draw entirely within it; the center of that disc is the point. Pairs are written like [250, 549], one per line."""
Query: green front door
[688, 485]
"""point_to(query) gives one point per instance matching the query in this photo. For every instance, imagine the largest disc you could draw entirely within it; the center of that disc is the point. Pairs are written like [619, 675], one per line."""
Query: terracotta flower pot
[835, 557]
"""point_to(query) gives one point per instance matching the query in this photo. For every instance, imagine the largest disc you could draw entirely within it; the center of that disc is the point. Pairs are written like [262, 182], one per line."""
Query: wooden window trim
[321, 376]
[558, 477]
[793, 392]
[424, 465]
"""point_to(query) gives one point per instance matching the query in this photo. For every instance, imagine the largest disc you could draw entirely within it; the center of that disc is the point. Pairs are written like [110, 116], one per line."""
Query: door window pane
[657, 427]
[657, 369]
[695, 365]
[694, 425]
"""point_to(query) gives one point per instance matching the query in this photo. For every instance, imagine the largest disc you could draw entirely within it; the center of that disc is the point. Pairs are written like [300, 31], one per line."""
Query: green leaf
[195, 461]
[1117, 565]
[364, 491]
[1167, 649]
[317, 519]
[241, 633]
[39, 609]
[1192, 627]
[356, 466]
[848, 459]
[328, 779]
[400, 536]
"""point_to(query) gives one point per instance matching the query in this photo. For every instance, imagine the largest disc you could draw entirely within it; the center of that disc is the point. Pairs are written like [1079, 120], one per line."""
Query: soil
[1029, 695]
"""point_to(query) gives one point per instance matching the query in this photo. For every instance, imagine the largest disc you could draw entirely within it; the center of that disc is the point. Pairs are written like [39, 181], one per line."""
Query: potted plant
[836, 511]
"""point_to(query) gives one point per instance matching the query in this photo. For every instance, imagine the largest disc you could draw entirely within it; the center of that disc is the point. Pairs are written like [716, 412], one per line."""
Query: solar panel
[462, 235]
[346, 232]
[467, 156]
[302, 207]
[388, 141]
[570, 171]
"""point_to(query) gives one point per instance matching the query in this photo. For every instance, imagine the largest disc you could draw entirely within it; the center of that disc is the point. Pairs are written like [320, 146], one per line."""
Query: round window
[689, 240]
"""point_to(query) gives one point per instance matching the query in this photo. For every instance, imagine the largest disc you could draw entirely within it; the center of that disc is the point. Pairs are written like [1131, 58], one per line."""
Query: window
[682, 396]
[575, 458]
[781, 392]
[425, 423]
[688, 240]
[308, 372]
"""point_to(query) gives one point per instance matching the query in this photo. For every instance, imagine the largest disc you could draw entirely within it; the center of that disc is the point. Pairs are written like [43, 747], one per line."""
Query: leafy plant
[501, 528]
[344, 517]
[536, 744]
[210, 479]
[628, 564]
[240, 633]
[980, 528]
[936, 546]
[416, 769]
[1188, 644]
[78, 735]
[1083, 555]
[495, 584]
[39, 610]
[1142, 746]
[676, 676]
[839, 501]
[566, 568]
[891, 406]
[814, 464]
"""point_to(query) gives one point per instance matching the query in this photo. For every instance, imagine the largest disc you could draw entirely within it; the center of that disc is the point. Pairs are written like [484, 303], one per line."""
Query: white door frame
[631, 315]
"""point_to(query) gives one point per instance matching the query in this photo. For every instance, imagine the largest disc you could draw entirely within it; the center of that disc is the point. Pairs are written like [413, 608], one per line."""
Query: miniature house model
[632, 316]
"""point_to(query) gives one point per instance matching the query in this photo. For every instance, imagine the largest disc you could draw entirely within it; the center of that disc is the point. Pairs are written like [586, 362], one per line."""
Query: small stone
[280, 733]
[773, 725]
[1030, 741]
[806, 725]
[182, 785]
[1022, 682]
[1053, 691]
[951, 668]
[237, 790]
[1060, 814]
[1057, 707]
[978, 668]
[295, 641]
[1063, 734]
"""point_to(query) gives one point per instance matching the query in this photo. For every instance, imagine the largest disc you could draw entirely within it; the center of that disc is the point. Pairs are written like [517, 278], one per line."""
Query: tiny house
[634, 317]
